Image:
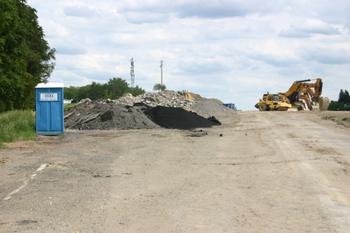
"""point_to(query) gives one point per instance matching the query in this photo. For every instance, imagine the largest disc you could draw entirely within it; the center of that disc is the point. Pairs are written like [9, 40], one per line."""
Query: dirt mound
[105, 116]
[147, 111]
[340, 117]
[78, 109]
[178, 118]
[115, 116]
[212, 107]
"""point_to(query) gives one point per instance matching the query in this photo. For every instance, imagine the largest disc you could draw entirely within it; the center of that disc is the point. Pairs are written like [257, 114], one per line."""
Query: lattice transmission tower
[132, 74]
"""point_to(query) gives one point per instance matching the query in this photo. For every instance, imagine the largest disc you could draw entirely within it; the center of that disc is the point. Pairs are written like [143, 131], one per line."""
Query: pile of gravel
[212, 107]
[154, 99]
[105, 116]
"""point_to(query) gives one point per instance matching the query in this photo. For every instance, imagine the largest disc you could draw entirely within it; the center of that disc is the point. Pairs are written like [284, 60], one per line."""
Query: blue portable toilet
[49, 108]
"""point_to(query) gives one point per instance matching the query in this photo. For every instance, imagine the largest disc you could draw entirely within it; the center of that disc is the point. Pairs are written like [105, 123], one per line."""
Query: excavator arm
[310, 92]
[305, 96]
[188, 95]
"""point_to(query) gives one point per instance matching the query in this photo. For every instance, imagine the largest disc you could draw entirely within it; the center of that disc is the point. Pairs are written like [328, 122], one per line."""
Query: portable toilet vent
[49, 108]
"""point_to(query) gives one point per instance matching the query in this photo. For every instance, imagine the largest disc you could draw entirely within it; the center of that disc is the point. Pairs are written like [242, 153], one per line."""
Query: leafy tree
[117, 87]
[334, 106]
[137, 91]
[71, 93]
[25, 57]
[98, 91]
[181, 92]
[344, 97]
[159, 87]
[343, 103]
[83, 92]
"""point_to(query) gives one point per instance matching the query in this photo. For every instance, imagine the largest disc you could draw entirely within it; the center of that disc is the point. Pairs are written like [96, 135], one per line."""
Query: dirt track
[268, 172]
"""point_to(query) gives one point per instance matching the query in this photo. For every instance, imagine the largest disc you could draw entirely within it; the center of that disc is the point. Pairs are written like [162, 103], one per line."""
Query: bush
[15, 125]
[159, 87]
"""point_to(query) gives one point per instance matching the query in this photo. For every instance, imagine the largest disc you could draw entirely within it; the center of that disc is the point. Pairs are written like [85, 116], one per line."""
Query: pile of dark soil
[178, 118]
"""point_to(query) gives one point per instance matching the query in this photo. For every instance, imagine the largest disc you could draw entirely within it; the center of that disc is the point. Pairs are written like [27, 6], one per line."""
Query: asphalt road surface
[258, 172]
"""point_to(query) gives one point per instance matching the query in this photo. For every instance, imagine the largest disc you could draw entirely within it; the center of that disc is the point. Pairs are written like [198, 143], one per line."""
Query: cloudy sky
[232, 50]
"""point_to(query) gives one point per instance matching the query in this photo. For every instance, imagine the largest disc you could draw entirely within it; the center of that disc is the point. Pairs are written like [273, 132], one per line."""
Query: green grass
[16, 125]
[68, 106]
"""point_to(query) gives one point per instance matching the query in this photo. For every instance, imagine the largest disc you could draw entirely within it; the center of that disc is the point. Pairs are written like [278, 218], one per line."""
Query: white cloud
[309, 28]
[233, 50]
[79, 11]
[327, 55]
[54, 29]
[227, 8]
[200, 66]
[71, 49]
[145, 17]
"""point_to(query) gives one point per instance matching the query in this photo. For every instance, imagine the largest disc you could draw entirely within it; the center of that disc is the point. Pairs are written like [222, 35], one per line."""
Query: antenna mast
[161, 72]
[132, 74]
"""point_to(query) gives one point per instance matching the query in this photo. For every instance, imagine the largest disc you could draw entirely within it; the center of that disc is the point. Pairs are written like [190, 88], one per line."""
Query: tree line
[25, 57]
[343, 103]
[113, 89]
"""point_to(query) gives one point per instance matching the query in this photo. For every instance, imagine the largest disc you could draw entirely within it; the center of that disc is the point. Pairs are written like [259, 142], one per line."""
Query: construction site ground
[257, 172]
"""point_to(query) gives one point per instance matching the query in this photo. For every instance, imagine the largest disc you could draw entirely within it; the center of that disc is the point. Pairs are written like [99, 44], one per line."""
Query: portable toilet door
[49, 108]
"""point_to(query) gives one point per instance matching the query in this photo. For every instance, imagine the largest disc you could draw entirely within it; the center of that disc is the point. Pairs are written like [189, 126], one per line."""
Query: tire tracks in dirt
[332, 195]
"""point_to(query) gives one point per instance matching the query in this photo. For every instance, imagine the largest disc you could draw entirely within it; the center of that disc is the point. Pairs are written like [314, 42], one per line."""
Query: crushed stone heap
[153, 99]
[109, 116]
[212, 107]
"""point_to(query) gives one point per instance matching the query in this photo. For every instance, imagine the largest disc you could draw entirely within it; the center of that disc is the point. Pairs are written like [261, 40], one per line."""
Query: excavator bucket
[297, 106]
[323, 103]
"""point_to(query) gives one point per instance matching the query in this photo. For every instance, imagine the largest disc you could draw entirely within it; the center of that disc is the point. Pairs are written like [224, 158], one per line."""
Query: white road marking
[42, 166]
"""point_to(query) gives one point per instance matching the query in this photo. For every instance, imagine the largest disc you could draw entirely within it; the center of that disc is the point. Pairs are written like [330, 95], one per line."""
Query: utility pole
[132, 74]
[161, 72]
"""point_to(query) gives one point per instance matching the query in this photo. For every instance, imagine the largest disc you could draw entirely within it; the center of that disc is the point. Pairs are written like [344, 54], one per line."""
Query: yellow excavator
[302, 92]
[188, 95]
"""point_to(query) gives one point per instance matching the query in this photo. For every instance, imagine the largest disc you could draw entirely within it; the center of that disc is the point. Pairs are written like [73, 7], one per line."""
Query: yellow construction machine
[188, 95]
[302, 92]
[301, 95]
[273, 102]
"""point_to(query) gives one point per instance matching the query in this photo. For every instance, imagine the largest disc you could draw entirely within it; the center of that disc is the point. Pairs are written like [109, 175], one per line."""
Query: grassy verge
[17, 125]
[68, 106]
